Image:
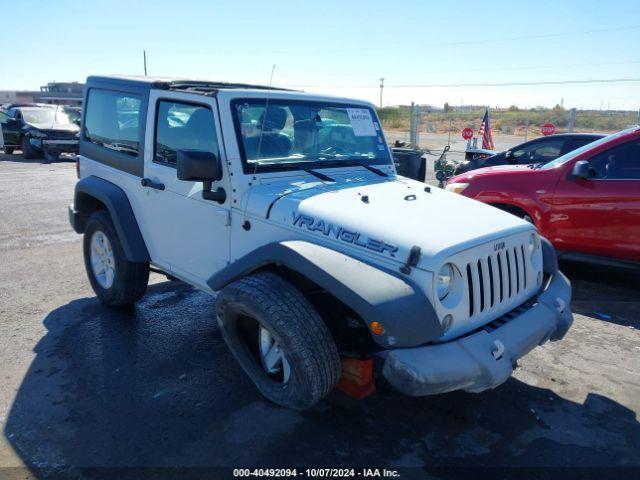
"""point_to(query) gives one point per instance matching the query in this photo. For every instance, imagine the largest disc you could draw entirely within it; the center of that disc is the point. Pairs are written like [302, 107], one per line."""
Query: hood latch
[412, 260]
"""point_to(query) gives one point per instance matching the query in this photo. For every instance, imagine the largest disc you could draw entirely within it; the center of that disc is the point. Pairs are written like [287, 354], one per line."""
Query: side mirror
[582, 169]
[205, 167]
[198, 166]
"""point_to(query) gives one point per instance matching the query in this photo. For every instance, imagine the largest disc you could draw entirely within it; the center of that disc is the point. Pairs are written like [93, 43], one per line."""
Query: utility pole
[381, 88]
[414, 139]
[572, 120]
[144, 55]
[639, 116]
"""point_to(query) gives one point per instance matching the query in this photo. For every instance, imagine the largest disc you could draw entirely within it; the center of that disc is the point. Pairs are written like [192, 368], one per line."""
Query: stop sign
[548, 129]
[467, 133]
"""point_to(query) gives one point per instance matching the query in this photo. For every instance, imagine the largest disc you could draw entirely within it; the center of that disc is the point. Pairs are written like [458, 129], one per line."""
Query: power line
[530, 67]
[530, 37]
[405, 46]
[501, 84]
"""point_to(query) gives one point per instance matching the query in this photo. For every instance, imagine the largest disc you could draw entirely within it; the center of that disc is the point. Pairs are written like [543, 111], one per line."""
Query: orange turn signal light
[377, 328]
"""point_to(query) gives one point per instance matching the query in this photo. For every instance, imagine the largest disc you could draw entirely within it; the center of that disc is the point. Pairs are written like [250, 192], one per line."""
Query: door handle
[147, 182]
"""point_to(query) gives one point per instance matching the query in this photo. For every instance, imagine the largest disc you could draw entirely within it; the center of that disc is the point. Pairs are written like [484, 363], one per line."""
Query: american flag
[485, 132]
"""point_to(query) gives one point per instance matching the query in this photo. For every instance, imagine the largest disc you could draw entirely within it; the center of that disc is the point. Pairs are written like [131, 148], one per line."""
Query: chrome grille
[497, 278]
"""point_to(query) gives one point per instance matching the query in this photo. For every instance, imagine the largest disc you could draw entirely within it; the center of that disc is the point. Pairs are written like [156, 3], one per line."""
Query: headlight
[445, 280]
[456, 187]
[37, 134]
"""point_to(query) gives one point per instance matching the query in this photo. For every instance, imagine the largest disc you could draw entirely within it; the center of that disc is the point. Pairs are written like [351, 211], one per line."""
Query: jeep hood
[376, 216]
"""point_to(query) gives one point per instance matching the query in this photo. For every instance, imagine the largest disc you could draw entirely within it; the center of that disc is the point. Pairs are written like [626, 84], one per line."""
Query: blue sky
[339, 47]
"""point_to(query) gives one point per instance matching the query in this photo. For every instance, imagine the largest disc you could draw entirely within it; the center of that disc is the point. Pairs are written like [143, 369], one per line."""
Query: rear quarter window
[113, 120]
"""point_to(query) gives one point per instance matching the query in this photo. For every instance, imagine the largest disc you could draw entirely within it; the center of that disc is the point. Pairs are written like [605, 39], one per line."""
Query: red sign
[467, 133]
[548, 129]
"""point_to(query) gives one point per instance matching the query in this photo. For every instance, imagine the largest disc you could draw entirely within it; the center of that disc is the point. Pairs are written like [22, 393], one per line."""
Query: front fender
[375, 294]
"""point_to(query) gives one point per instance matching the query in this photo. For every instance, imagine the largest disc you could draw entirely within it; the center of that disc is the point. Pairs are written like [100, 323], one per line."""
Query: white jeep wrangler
[288, 205]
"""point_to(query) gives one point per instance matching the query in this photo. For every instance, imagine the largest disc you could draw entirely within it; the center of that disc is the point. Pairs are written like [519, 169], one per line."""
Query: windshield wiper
[353, 161]
[375, 170]
[319, 175]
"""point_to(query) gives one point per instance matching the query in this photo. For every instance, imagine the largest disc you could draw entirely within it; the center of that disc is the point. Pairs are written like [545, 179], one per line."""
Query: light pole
[381, 88]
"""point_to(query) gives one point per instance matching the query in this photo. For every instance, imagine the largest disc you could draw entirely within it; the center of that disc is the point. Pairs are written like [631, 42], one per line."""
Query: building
[61, 93]
[13, 96]
[54, 93]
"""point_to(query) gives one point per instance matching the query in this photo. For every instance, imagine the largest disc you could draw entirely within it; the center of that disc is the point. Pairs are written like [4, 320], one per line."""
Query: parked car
[586, 202]
[39, 131]
[74, 114]
[474, 153]
[316, 247]
[540, 150]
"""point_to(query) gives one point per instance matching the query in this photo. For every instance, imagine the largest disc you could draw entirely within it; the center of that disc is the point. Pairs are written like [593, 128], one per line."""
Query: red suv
[587, 202]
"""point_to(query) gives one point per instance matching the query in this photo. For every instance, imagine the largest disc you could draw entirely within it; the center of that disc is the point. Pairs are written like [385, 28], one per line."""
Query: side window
[524, 151]
[618, 163]
[3, 118]
[576, 143]
[183, 126]
[547, 151]
[113, 120]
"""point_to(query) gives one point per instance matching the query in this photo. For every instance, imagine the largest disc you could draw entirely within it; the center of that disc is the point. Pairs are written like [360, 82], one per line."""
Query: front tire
[28, 152]
[279, 339]
[116, 281]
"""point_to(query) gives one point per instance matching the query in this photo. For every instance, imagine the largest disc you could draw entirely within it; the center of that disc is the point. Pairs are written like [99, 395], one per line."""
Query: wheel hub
[102, 260]
[273, 357]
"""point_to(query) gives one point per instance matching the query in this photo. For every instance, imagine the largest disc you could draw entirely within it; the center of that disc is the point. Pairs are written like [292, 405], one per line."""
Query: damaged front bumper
[60, 148]
[484, 359]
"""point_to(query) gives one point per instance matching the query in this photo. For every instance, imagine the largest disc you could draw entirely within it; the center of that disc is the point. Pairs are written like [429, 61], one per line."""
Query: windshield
[45, 115]
[571, 155]
[303, 134]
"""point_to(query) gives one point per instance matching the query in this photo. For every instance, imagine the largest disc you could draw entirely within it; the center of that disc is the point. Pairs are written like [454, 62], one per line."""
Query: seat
[272, 143]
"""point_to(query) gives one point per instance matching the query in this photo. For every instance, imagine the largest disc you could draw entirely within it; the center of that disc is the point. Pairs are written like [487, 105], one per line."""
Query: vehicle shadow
[155, 386]
[605, 293]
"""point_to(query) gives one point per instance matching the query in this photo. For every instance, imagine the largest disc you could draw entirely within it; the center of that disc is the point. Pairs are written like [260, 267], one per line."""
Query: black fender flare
[90, 189]
[374, 293]
[549, 257]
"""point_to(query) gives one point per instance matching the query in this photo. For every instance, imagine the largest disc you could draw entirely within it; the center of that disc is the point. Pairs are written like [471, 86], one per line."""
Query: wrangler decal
[339, 233]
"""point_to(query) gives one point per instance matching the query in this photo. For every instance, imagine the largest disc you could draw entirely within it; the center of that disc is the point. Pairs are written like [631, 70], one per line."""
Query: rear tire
[266, 305]
[8, 150]
[116, 281]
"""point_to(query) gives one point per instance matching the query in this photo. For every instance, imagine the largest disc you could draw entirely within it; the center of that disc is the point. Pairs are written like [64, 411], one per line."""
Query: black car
[540, 150]
[39, 131]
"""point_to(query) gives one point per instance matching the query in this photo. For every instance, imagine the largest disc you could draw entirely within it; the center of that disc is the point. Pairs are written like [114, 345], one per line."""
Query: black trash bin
[409, 163]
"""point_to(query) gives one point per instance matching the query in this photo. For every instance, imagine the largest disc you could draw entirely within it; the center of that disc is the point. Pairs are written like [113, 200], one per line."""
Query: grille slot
[495, 279]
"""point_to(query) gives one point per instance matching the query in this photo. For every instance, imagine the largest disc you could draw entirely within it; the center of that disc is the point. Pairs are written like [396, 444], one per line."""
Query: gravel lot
[154, 386]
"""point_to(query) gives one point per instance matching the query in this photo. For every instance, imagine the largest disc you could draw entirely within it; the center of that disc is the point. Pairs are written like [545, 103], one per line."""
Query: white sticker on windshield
[361, 122]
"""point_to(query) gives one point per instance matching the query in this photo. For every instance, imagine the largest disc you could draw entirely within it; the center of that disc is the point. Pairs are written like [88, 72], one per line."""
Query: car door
[3, 121]
[601, 215]
[13, 127]
[183, 230]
